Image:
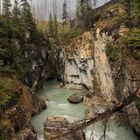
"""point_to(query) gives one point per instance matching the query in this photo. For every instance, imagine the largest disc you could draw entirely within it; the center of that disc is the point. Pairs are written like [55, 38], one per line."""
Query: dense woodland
[19, 27]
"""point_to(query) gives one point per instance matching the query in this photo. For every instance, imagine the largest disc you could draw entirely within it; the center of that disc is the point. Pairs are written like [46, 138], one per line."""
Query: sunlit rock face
[102, 69]
[87, 65]
[79, 63]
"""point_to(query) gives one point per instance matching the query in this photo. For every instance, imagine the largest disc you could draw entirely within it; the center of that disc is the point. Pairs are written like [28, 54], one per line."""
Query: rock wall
[38, 64]
[79, 62]
[134, 117]
[126, 86]
[102, 69]
[87, 65]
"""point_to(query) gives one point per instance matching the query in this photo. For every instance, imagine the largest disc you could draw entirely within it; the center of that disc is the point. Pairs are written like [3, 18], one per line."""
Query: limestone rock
[87, 64]
[57, 126]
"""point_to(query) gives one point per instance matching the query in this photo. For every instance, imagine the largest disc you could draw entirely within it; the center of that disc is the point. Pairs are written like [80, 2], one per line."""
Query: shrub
[4, 93]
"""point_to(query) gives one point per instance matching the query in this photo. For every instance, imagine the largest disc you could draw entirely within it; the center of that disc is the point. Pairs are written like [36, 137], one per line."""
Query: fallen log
[81, 124]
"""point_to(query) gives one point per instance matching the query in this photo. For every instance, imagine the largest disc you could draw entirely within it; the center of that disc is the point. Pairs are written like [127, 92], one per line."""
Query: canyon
[82, 66]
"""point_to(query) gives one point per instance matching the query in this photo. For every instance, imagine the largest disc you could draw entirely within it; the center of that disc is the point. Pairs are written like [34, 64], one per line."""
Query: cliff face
[126, 86]
[87, 63]
[36, 63]
[79, 62]
[17, 111]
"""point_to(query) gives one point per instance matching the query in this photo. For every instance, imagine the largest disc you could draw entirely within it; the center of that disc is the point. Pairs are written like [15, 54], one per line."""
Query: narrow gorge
[75, 79]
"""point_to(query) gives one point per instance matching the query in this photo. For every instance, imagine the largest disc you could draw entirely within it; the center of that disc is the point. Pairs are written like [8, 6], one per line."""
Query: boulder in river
[75, 98]
[59, 128]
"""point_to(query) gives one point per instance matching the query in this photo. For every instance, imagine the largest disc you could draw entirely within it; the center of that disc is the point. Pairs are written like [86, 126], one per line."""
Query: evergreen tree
[65, 16]
[55, 24]
[128, 11]
[6, 8]
[16, 12]
[50, 25]
[65, 13]
[135, 8]
[83, 6]
[28, 20]
[95, 3]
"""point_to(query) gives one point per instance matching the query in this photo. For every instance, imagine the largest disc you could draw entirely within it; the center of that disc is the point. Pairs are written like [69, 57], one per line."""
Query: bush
[4, 93]
[112, 52]
[127, 46]
[131, 43]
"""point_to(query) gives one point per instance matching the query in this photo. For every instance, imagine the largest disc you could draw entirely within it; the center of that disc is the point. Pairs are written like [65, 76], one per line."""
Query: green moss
[4, 93]
[137, 102]
[2, 136]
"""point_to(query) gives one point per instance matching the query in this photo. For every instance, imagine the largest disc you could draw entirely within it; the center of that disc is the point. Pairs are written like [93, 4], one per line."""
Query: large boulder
[59, 128]
[75, 98]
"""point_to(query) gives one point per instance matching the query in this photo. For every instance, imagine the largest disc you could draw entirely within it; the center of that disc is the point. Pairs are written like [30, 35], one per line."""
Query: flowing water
[59, 106]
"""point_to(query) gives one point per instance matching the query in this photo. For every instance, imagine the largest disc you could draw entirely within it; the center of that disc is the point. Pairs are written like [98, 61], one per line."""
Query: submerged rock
[59, 128]
[75, 98]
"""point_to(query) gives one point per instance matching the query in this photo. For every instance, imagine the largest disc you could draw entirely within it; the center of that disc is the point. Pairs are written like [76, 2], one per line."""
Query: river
[59, 106]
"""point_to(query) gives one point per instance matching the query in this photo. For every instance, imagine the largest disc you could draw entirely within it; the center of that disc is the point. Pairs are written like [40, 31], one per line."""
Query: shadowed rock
[75, 98]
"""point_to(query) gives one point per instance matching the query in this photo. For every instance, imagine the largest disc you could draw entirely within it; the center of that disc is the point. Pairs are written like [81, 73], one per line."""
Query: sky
[42, 8]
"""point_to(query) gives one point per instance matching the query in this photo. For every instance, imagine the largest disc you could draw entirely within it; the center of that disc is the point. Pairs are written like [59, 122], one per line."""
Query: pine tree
[135, 8]
[84, 8]
[55, 25]
[65, 13]
[65, 16]
[50, 26]
[16, 12]
[28, 20]
[6, 8]
[95, 4]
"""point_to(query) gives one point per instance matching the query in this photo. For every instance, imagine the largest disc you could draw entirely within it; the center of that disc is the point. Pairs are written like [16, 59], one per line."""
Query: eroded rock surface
[58, 128]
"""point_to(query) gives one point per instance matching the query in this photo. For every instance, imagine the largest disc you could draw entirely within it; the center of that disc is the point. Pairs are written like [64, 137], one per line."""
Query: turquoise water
[59, 106]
